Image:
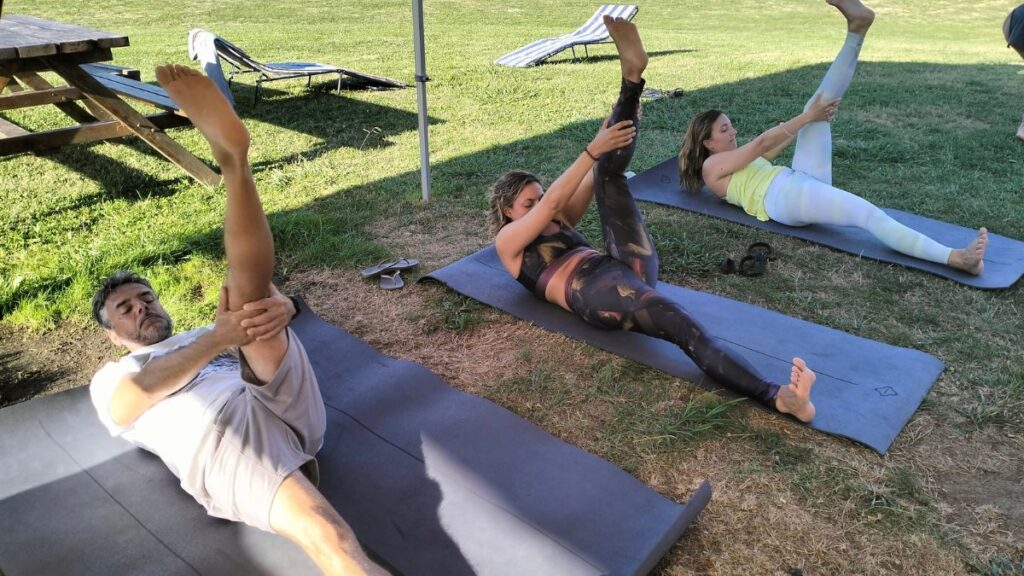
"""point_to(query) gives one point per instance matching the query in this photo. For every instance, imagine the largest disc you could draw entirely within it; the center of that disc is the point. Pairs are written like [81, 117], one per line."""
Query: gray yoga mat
[434, 481]
[1004, 258]
[866, 391]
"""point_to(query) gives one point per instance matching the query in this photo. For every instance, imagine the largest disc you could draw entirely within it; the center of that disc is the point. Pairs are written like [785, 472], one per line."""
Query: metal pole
[421, 95]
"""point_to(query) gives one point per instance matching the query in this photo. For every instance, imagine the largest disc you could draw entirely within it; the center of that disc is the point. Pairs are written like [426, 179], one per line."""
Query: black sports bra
[544, 250]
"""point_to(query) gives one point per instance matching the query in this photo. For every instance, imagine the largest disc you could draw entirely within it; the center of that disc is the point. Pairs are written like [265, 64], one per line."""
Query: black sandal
[761, 248]
[753, 265]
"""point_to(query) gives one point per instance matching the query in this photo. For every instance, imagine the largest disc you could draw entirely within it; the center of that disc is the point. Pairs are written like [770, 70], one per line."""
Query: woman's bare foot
[1020, 131]
[858, 16]
[632, 57]
[972, 258]
[795, 398]
[208, 110]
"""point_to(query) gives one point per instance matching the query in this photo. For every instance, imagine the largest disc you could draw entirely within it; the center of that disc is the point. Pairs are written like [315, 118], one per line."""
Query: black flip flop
[727, 266]
[389, 266]
[755, 265]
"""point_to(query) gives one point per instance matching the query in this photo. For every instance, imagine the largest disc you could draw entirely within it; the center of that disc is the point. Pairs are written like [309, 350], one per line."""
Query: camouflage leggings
[617, 291]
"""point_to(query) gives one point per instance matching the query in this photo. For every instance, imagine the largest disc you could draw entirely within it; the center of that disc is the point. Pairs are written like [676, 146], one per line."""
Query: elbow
[128, 402]
[121, 416]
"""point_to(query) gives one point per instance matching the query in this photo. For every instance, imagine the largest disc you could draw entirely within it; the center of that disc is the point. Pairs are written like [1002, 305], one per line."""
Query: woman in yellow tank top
[803, 194]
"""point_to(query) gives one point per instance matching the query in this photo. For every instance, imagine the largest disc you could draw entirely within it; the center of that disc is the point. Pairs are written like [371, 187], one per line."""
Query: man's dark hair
[112, 283]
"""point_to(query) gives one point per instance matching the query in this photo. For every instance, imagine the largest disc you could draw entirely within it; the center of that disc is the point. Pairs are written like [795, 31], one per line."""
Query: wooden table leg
[137, 123]
[37, 82]
[15, 140]
[13, 86]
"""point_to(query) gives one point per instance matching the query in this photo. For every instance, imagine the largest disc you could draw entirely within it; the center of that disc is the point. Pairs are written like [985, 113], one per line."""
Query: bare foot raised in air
[972, 258]
[208, 110]
[632, 57]
[858, 16]
[795, 398]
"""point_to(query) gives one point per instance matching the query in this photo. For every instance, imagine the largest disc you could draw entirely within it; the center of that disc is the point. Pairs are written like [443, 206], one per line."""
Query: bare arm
[275, 313]
[164, 375]
[724, 164]
[774, 152]
[580, 201]
[513, 239]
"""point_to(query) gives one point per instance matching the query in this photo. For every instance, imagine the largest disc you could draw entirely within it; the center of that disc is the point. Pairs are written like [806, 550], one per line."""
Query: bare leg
[632, 57]
[304, 516]
[795, 398]
[858, 16]
[247, 240]
[972, 258]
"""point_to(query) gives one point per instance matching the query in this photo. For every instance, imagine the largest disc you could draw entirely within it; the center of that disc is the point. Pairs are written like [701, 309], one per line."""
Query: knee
[301, 513]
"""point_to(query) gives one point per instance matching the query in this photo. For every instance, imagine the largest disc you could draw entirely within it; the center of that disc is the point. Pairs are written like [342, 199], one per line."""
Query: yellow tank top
[748, 187]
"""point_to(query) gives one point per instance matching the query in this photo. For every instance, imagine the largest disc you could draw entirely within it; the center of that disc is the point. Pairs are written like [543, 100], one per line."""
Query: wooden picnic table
[92, 96]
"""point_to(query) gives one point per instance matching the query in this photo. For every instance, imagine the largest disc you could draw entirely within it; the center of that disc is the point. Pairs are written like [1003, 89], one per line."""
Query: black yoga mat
[1004, 258]
[866, 391]
[433, 480]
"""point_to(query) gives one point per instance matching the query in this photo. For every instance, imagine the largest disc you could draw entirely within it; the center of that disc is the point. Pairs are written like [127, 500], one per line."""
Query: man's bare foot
[1020, 131]
[858, 16]
[795, 398]
[972, 258]
[632, 57]
[208, 110]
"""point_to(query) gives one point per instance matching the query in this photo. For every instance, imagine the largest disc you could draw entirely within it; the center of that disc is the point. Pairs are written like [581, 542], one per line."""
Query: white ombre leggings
[805, 195]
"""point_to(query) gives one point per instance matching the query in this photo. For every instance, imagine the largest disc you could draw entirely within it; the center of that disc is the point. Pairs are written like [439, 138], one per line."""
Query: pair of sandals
[755, 263]
[390, 272]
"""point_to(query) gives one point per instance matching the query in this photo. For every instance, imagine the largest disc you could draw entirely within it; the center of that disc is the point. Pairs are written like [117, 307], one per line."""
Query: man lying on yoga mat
[745, 176]
[537, 244]
[234, 410]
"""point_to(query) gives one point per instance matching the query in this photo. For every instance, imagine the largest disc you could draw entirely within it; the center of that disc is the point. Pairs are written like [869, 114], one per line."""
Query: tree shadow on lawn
[566, 57]
[905, 130]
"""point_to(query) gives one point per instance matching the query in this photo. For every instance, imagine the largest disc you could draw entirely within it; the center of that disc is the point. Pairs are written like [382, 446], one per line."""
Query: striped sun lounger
[593, 32]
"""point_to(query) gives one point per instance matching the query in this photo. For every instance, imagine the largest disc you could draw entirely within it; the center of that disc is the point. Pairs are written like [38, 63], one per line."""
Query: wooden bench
[100, 68]
[124, 86]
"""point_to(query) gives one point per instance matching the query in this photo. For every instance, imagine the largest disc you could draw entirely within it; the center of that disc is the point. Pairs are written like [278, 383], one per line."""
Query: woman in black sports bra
[538, 245]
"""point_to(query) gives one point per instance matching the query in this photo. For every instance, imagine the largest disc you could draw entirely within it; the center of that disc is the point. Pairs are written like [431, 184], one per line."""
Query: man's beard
[155, 328]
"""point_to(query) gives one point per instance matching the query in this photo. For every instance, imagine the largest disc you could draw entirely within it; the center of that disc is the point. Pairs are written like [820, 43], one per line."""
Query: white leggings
[806, 195]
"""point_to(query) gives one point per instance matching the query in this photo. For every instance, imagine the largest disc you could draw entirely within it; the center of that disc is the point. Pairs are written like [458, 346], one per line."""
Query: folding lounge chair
[593, 32]
[241, 63]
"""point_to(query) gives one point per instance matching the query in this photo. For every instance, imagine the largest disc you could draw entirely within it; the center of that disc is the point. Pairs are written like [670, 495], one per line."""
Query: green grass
[927, 127]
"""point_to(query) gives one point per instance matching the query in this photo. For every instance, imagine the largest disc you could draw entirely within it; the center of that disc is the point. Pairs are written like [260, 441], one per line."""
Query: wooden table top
[30, 37]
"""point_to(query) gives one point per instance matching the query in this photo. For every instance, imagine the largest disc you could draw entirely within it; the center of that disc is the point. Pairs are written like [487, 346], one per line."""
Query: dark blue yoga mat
[434, 481]
[1004, 258]
[866, 391]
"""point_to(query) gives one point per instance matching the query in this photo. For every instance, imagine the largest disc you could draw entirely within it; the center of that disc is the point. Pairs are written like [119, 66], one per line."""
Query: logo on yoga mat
[886, 391]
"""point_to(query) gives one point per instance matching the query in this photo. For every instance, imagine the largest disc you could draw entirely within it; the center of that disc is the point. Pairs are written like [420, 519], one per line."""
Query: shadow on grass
[905, 131]
[20, 382]
[582, 58]
[334, 119]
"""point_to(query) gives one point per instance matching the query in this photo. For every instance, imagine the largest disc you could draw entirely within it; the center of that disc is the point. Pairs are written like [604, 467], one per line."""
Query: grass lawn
[928, 126]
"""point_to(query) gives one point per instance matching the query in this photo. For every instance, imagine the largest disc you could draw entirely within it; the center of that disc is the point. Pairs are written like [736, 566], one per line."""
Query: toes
[799, 363]
[163, 74]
